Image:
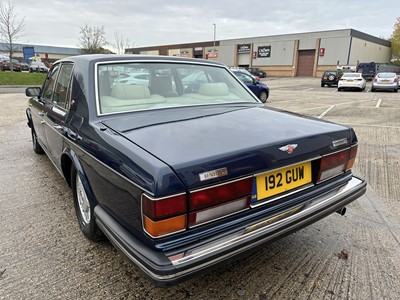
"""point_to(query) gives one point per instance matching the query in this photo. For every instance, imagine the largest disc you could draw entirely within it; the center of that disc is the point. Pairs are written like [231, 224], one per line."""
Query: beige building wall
[152, 52]
[365, 51]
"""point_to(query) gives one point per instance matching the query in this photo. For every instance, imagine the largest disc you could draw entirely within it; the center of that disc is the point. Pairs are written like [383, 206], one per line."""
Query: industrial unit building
[301, 54]
[26, 51]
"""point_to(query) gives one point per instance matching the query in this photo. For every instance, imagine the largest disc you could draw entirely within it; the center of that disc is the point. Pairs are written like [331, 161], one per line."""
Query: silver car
[385, 81]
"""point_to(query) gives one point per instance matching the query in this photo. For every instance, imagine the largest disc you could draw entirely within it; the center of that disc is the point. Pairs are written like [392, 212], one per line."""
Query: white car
[38, 67]
[385, 81]
[352, 81]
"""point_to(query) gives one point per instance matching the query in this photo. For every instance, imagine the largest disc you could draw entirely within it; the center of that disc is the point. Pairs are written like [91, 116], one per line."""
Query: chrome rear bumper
[165, 268]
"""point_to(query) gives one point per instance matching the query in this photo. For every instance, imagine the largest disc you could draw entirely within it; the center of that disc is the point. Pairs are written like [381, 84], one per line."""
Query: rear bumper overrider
[165, 268]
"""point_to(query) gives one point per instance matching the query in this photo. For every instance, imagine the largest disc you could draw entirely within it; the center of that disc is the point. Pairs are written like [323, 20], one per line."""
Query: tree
[92, 40]
[395, 39]
[120, 43]
[10, 28]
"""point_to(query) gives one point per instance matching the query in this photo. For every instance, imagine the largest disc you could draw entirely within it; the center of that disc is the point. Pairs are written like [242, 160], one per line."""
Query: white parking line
[326, 111]
[378, 103]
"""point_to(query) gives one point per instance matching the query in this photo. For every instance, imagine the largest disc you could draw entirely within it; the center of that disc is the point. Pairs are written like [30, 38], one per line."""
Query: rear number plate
[282, 180]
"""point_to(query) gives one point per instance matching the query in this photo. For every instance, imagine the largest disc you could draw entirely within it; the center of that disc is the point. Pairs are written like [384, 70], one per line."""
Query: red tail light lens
[219, 194]
[219, 201]
[163, 216]
[337, 163]
[375, 79]
[164, 207]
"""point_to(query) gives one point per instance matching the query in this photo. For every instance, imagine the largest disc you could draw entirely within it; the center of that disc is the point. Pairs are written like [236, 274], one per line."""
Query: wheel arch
[70, 160]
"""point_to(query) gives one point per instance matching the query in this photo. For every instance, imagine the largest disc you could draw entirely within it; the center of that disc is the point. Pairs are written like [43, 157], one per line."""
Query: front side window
[132, 86]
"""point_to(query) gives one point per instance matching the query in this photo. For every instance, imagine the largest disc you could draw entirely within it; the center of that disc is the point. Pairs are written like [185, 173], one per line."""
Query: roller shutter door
[306, 63]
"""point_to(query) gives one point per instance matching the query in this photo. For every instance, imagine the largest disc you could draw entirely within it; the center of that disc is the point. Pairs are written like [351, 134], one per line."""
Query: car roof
[94, 58]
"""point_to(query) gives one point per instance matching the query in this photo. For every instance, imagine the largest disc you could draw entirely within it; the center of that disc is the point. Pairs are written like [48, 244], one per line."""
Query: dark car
[257, 72]
[182, 181]
[331, 77]
[24, 66]
[6, 65]
[259, 88]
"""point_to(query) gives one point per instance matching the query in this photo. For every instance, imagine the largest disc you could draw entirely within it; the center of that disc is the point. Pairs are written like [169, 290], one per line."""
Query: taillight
[168, 215]
[375, 79]
[163, 216]
[337, 163]
[219, 201]
[396, 79]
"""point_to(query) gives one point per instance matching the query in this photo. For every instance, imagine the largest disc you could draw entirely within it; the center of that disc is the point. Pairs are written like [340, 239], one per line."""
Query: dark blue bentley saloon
[180, 166]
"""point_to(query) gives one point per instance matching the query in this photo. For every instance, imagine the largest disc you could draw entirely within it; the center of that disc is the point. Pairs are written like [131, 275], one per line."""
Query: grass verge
[21, 78]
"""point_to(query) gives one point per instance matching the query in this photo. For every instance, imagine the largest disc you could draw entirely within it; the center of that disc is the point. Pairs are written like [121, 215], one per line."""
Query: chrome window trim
[202, 63]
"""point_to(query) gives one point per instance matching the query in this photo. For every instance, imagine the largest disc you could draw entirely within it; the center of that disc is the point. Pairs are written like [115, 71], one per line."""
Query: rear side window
[61, 93]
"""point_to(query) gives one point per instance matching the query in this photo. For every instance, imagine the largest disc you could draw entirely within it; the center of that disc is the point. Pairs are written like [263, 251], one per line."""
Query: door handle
[42, 113]
[58, 127]
[73, 135]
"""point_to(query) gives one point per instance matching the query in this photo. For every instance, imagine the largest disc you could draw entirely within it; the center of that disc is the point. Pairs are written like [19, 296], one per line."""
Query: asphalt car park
[44, 256]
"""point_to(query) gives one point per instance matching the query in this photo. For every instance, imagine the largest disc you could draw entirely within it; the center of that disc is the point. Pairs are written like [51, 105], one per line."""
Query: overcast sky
[156, 22]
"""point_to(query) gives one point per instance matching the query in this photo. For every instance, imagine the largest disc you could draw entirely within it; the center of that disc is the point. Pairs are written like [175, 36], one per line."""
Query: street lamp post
[215, 29]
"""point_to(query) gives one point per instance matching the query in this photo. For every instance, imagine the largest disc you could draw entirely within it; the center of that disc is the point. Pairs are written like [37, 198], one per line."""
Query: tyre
[84, 207]
[339, 89]
[36, 146]
[372, 90]
[263, 96]
[331, 77]
[322, 84]
[395, 90]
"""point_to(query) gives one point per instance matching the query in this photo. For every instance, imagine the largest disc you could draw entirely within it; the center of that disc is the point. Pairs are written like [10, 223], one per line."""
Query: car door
[41, 106]
[57, 112]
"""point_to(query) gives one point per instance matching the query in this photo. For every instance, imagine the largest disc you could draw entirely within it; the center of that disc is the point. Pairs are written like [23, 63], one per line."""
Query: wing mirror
[33, 91]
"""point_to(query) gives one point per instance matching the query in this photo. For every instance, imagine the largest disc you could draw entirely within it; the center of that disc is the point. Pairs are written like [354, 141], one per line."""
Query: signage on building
[212, 53]
[184, 54]
[198, 49]
[321, 51]
[264, 51]
[244, 48]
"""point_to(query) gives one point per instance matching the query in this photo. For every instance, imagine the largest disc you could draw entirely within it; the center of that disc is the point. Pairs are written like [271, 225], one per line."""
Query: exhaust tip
[341, 211]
